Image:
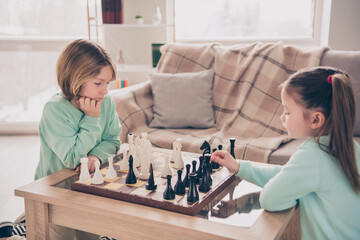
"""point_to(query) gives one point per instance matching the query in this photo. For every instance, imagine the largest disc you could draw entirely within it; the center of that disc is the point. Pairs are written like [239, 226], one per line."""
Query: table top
[238, 214]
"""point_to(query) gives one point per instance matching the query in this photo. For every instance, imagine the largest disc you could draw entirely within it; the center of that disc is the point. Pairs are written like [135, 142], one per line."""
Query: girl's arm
[68, 138]
[110, 142]
[299, 177]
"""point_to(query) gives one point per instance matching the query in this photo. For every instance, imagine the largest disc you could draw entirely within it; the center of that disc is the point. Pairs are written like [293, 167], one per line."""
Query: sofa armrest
[134, 106]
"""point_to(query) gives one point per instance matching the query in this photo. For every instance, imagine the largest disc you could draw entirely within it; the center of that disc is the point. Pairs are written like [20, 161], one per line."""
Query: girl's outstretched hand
[225, 159]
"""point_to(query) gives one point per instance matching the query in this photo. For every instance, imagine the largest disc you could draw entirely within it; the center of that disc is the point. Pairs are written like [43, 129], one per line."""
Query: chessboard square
[103, 171]
[111, 180]
[178, 197]
[161, 188]
[113, 186]
[201, 195]
[138, 184]
[140, 192]
[87, 183]
[156, 174]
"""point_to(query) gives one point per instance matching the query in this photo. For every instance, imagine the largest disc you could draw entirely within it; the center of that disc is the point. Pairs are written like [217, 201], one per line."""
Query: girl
[323, 175]
[81, 120]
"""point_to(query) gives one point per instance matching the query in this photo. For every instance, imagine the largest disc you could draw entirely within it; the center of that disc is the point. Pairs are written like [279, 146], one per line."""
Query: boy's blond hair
[78, 61]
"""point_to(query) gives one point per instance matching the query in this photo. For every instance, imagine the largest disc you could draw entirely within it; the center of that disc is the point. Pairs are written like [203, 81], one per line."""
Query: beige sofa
[245, 97]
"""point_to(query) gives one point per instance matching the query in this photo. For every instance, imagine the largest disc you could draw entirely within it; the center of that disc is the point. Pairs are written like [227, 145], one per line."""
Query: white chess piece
[84, 171]
[111, 173]
[136, 172]
[178, 161]
[166, 170]
[137, 152]
[148, 153]
[98, 177]
[124, 164]
[145, 166]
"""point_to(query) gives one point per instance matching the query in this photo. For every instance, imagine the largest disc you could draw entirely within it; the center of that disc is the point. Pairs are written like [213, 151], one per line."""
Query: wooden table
[45, 203]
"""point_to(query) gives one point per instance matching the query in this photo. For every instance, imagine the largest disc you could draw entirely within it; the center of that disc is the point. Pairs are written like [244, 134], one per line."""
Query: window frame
[319, 38]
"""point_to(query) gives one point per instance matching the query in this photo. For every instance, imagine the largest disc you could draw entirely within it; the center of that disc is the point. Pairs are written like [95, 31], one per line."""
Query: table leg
[37, 220]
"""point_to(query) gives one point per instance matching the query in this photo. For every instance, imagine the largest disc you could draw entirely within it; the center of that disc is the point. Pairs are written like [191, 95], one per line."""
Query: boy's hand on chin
[89, 107]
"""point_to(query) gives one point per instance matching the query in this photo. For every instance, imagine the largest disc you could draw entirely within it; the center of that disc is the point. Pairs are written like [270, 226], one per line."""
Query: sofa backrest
[349, 61]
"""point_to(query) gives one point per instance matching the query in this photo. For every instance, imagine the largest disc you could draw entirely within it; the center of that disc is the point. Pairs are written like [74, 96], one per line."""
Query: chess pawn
[193, 194]
[176, 145]
[204, 183]
[166, 170]
[169, 193]
[111, 173]
[130, 178]
[151, 183]
[179, 186]
[186, 179]
[84, 171]
[98, 177]
[194, 171]
[124, 164]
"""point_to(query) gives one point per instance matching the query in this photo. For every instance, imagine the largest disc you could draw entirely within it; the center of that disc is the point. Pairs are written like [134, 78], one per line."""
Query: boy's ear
[317, 120]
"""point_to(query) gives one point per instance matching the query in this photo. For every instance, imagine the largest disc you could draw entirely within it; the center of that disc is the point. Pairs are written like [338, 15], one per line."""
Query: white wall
[345, 25]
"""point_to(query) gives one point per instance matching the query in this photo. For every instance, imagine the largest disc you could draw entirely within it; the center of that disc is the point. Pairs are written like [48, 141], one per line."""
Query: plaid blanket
[246, 97]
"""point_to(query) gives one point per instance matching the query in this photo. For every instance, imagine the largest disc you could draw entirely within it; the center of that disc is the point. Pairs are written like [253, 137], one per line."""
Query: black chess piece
[199, 171]
[215, 165]
[179, 186]
[194, 171]
[220, 147]
[206, 147]
[232, 147]
[205, 183]
[193, 194]
[151, 183]
[169, 193]
[186, 179]
[208, 167]
[130, 178]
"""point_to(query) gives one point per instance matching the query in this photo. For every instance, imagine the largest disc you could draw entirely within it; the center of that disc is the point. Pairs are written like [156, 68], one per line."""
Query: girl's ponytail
[341, 126]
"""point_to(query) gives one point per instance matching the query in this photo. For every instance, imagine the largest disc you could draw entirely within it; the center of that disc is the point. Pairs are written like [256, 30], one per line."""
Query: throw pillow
[182, 100]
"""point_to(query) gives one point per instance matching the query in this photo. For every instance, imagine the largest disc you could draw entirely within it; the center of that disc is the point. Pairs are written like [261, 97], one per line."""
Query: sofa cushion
[349, 62]
[182, 100]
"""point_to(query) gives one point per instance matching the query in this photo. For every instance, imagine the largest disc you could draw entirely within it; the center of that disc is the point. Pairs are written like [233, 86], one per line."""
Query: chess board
[137, 193]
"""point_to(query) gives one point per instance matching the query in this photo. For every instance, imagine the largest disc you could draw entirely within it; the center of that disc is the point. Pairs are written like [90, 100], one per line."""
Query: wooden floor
[19, 156]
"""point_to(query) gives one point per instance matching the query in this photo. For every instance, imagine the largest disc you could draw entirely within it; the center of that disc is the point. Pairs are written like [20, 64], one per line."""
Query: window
[32, 34]
[236, 20]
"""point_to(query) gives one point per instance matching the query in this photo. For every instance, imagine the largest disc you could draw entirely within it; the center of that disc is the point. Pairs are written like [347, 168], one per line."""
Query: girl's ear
[317, 120]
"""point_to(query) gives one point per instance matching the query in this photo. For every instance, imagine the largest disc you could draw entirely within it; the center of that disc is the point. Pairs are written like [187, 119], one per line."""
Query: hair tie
[329, 79]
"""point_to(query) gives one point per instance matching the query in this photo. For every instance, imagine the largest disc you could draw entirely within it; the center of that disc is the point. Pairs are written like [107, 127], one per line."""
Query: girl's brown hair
[78, 61]
[334, 97]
